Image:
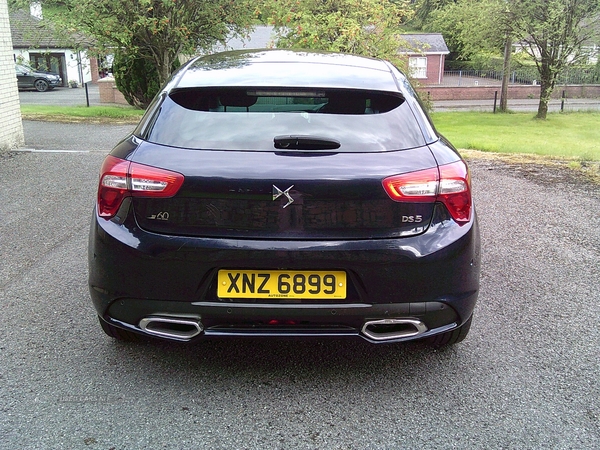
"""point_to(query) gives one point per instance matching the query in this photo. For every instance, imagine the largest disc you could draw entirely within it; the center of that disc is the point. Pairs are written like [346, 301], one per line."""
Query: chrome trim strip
[283, 305]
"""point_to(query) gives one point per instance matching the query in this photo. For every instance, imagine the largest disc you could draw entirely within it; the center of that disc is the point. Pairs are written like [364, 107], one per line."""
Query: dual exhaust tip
[186, 328]
[388, 329]
[176, 328]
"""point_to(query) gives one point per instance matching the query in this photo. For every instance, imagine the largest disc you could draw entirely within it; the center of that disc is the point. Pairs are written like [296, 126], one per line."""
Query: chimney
[35, 9]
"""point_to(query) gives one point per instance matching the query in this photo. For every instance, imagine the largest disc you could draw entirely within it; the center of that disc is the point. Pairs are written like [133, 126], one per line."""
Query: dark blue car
[275, 193]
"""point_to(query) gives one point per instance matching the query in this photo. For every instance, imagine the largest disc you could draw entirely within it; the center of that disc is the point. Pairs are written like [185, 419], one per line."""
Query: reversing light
[139, 184]
[120, 179]
[449, 184]
[149, 181]
[420, 186]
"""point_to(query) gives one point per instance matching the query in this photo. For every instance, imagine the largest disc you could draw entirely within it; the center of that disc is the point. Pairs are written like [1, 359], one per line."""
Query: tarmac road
[527, 377]
[518, 105]
[50, 136]
[61, 96]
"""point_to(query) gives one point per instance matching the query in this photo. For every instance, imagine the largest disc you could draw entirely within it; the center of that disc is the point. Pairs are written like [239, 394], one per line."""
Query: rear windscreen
[252, 119]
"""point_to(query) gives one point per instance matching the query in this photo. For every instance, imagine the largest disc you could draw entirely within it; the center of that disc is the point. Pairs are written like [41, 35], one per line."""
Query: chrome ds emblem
[278, 193]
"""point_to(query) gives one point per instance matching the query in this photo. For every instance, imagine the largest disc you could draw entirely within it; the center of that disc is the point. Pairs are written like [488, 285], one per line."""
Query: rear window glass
[252, 119]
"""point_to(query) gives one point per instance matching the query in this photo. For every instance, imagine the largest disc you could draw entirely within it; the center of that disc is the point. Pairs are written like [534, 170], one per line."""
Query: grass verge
[566, 135]
[564, 140]
[92, 114]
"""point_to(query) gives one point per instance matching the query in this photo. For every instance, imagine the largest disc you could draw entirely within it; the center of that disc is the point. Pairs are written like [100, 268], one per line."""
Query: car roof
[288, 68]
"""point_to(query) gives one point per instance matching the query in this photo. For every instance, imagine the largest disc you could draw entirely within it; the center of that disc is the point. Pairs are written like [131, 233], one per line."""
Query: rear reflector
[449, 184]
[120, 179]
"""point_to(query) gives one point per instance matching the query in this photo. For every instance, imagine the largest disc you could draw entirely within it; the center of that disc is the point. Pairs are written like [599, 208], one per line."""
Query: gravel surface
[525, 378]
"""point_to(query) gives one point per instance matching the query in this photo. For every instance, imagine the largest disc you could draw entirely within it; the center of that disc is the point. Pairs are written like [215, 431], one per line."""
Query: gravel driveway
[527, 377]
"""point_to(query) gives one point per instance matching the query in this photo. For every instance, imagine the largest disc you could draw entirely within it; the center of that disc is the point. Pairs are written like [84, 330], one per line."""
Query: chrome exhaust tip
[387, 329]
[178, 328]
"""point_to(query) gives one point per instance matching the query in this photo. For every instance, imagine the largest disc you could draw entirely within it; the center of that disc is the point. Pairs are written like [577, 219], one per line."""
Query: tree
[365, 27]
[161, 29]
[555, 33]
[155, 31]
[475, 26]
[425, 8]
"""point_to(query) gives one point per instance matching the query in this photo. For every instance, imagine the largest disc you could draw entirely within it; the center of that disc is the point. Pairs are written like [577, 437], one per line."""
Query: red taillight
[455, 191]
[120, 179]
[113, 186]
[450, 184]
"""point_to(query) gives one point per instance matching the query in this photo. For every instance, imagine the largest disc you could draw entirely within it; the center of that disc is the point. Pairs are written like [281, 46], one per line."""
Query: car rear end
[270, 195]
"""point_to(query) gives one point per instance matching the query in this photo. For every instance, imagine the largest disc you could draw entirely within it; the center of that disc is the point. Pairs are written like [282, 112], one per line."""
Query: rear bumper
[431, 279]
[393, 322]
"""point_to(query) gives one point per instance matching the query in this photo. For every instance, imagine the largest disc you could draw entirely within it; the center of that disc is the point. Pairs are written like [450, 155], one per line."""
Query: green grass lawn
[567, 135]
[80, 113]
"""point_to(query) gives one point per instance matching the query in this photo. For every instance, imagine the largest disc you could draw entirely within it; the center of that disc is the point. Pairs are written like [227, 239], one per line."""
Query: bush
[136, 77]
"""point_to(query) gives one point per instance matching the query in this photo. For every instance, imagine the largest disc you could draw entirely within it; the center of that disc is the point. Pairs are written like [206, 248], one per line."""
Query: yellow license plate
[306, 284]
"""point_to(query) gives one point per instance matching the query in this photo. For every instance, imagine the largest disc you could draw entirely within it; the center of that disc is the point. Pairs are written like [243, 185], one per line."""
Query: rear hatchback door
[268, 163]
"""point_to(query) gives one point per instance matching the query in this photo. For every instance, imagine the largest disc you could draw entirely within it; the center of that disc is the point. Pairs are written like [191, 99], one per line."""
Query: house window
[417, 66]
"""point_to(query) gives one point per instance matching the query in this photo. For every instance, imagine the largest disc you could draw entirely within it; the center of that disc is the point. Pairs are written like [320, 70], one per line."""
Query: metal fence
[521, 76]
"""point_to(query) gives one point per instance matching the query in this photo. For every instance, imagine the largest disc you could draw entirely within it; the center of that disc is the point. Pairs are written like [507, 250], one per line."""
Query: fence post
[495, 100]
[459, 76]
[562, 102]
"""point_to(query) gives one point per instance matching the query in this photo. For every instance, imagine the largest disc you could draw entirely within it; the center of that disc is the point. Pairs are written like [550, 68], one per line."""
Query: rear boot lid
[283, 195]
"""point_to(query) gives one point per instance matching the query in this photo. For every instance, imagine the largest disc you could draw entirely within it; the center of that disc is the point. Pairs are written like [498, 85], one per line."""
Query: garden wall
[109, 92]
[514, 92]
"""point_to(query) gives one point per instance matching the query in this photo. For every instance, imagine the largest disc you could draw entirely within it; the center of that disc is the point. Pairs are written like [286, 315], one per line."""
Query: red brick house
[426, 55]
[426, 52]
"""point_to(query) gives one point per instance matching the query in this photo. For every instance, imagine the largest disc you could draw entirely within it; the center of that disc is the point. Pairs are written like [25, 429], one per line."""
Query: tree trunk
[542, 111]
[547, 81]
[164, 68]
[505, 74]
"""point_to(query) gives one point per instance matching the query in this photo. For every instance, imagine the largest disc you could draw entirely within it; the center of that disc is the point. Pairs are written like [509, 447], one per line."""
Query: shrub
[136, 76]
